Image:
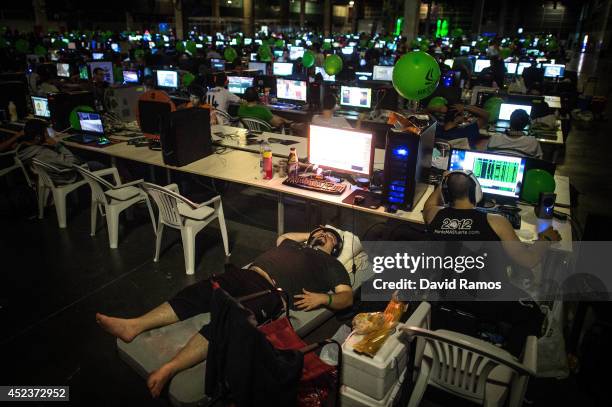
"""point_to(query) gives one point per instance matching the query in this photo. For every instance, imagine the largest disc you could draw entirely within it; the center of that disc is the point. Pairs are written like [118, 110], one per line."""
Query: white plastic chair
[114, 198]
[223, 117]
[17, 165]
[45, 184]
[178, 212]
[255, 124]
[470, 368]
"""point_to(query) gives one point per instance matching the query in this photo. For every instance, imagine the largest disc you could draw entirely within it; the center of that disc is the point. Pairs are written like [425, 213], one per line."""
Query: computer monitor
[106, 66]
[248, 41]
[91, 122]
[464, 49]
[449, 62]
[282, 68]
[481, 64]
[72, 45]
[511, 67]
[506, 109]
[167, 79]
[382, 73]
[258, 66]
[356, 97]
[499, 175]
[326, 77]
[239, 84]
[363, 75]
[217, 64]
[553, 70]
[295, 53]
[97, 56]
[84, 72]
[348, 50]
[63, 70]
[41, 107]
[387, 60]
[292, 90]
[521, 66]
[130, 77]
[340, 150]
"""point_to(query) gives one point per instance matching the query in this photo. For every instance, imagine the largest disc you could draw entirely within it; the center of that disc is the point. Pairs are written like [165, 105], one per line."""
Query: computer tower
[185, 136]
[407, 165]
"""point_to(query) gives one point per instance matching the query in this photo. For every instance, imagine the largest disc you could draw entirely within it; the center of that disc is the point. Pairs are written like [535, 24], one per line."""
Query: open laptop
[92, 130]
[41, 107]
[505, 111]
[554, 102]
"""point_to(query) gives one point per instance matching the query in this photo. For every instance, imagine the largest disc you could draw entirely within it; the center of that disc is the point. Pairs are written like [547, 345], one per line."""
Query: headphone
[475, 193]
[337, 249]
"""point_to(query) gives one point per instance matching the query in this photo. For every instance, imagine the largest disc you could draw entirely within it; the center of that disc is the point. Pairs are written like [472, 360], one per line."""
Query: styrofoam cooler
[353, 398]
[374, 377]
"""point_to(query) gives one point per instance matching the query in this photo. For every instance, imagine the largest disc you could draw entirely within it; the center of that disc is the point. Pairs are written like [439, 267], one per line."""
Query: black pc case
[185, 136]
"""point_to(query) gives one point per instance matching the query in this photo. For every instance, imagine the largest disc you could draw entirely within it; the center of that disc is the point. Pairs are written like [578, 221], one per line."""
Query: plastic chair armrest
[130, 184]
[110, 171]
[530, 354]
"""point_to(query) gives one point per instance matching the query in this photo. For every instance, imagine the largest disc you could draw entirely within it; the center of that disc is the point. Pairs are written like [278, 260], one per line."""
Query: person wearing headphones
[304, 265]
[516, 141]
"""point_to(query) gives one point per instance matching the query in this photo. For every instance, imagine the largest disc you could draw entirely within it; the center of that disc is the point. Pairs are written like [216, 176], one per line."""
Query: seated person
[219, 97]
[327, 118]
[307, 273]
[254, 109]
[515, 140]
[196, 99]
[37, 143]
[458, 121]
[533, 78]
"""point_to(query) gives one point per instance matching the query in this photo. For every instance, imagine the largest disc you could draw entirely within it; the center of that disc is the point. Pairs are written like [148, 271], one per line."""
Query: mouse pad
[371, 201]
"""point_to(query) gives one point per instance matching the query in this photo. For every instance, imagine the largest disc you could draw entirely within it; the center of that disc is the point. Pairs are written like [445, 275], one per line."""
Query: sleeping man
[307, 272]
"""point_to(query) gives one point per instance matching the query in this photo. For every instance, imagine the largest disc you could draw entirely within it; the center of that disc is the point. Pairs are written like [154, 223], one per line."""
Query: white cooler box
[352, 398]
[374, 377]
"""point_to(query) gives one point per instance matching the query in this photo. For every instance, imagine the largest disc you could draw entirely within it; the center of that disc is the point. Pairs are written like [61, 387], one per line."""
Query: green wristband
[329, 301]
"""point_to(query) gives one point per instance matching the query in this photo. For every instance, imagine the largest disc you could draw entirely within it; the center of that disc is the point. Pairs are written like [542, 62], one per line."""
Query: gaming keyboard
[512, 214]
[316, 185]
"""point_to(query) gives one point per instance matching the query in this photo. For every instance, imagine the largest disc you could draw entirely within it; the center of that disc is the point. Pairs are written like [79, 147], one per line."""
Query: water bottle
[293, 165]
[267, 160]
[12, 111]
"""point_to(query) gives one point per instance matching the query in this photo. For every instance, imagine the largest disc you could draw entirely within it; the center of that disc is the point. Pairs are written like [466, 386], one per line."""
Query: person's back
[327, 118]
[219, 97]
[252, 109]
[515, 141]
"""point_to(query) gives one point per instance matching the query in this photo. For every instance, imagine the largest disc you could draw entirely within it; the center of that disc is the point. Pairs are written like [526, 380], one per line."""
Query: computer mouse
[358, 199]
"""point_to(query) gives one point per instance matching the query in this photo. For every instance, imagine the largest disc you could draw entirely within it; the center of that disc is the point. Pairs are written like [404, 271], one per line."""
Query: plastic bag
[378, 327]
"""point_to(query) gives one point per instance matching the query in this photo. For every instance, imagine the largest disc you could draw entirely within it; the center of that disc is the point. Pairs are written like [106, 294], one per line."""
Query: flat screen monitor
[238, 84]
[348, 50]
[464, 49]
[63, 70]
[83, 72]
[258, 66]
[289, 89]
[41, 107]
[167, 79]
[500, 175]
[382, 73]
[506, 109]
[511, 67]
[326, 77]
[481, 64]
[97, 56]
[71, 45]
[521, 66]
[217, 64]
[356, 97]
[253, 56]
[554, 70]
[341, 150]
[387, 60]
[363, 75]
[106, 66]
[130, 77]
[295, 53]
[115, 47]
[282, 68]
[449, 62]
[91, 122]
[248, 41]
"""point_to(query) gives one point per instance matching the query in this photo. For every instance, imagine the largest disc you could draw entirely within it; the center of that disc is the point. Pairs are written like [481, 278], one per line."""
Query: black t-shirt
[294, 267]
[462, 224]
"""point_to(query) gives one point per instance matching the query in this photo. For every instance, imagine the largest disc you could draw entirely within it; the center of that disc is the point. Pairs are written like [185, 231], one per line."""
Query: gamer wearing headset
[456, 198]
[305, 271]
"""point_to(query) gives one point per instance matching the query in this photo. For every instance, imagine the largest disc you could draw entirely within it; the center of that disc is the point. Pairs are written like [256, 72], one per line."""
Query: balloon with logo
[230, 54]
[308, 59]
[505, 53]
[332, 64]
[437, 102]
[537, 181]
[265, 53]
[22, 46]
[191, 47]
[326, 46]
[187, 79]
[492, 106]
[416, 75]
[180, 46]
[73, 118]
[279, 43]
[457, 33]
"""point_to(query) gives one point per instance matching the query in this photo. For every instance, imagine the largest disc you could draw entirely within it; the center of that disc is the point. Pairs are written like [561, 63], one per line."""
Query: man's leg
[192, 353]
[127, 329]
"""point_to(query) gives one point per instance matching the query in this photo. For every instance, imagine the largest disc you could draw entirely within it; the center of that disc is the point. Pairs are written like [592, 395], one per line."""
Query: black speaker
[407, 165]
[546, 205]
[185, 136]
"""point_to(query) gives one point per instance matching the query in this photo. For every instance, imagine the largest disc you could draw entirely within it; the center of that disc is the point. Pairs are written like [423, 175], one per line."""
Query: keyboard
[513, 215]
[316, 185]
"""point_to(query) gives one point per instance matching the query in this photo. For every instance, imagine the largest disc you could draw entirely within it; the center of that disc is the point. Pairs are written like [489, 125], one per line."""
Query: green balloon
[74, 118]
[22, 46]
[191, 47]
[187, 79]
[279, 43]
[326, 46]
[505, 53]
[265, 53]
[139, 53]
[437, 101]
[308, 59]
[537, 181]
[332, 64]
[230, 54]
[492, 106]
[457, 32]
[40, 50]
[416, 75]
[180, 46]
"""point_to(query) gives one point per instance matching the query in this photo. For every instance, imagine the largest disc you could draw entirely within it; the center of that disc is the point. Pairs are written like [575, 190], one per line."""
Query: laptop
[505, 111]
[92, 130]
[41, 107]
[554, 102]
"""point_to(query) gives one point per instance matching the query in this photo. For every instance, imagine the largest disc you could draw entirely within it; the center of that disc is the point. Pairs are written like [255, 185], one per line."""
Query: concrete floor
[53, 281]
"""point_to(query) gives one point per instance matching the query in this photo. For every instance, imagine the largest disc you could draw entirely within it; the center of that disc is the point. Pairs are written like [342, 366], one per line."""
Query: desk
[557, 140]
[235, 137]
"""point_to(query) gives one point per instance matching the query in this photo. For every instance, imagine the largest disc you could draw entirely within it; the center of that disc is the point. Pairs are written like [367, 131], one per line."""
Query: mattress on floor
[151, 349]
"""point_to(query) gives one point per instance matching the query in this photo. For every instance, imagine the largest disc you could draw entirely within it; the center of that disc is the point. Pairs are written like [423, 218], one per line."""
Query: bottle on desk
[265, 160]
[12, 111]
[293, 164]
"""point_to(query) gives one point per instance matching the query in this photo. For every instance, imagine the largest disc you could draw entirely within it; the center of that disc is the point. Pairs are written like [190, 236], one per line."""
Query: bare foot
[157, 380]
[121, 328]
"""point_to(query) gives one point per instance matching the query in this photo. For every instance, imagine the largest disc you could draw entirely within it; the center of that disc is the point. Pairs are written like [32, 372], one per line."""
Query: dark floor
[53, 281]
